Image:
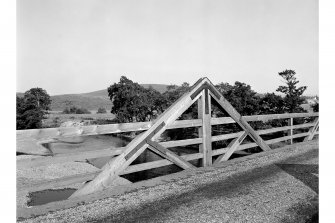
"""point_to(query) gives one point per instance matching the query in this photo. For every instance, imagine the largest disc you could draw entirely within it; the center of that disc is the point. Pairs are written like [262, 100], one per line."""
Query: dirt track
[280, 186]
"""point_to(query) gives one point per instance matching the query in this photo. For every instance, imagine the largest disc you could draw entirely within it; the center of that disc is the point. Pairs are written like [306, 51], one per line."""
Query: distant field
[55, 118]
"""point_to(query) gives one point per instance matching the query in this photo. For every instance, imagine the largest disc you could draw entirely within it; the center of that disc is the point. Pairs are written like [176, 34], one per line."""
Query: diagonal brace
[231, 148]
[162, 151]
[312, 131]
[226, 106]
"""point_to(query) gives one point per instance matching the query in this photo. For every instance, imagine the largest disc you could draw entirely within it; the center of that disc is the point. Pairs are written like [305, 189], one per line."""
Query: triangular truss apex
[147, 139]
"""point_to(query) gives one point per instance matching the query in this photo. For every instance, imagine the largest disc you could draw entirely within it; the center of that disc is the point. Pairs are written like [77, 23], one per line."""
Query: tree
[32, 108]
[174, 92]
[293, 94]
[101, 111]
[38, 98]
[241, 97]
[315, 107]
[134, 103]
[271, 104]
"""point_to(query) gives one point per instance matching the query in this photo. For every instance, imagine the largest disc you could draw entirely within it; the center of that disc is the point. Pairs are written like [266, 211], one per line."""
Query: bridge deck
[276, 186]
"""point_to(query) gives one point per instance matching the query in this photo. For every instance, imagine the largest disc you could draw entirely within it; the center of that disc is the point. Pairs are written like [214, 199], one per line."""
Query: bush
[75, 110]
[103, 121]
[101, 111]
[82, 111]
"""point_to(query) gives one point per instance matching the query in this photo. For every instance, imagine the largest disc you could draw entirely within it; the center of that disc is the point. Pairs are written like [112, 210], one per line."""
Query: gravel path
[270, 187]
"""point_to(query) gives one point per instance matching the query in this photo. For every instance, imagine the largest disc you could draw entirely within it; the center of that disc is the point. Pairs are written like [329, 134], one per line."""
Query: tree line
[134, 103]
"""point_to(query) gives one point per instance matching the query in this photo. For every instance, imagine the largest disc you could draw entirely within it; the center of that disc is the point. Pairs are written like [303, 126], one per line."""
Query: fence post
[290, 131]
[205, 131]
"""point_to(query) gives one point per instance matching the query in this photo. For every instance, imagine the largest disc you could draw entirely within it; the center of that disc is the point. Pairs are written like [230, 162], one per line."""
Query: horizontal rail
[50, 133]
[253, 118]
[251, 145]
[260, 132]
[79, 178]
[82, 156]
[69, 157]
[158, 163]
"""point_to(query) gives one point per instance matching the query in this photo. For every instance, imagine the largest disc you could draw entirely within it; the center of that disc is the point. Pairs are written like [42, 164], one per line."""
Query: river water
[97, 142]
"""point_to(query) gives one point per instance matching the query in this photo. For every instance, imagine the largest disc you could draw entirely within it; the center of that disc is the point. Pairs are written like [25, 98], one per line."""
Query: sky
[79, 46]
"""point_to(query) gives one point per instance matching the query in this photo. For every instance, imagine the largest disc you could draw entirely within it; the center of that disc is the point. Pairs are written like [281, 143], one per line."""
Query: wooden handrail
[82, 156]
[64, 181]
[50, 133]
[43, 135]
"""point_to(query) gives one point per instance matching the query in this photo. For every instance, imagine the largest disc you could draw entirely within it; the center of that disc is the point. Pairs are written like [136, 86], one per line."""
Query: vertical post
[290, 131]
[205, 131]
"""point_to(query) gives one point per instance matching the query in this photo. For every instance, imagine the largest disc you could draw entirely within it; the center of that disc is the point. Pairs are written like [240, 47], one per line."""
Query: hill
[158, 87]
[91, 101]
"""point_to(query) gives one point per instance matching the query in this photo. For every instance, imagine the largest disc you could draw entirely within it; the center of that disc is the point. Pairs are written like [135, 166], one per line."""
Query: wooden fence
[37, 137]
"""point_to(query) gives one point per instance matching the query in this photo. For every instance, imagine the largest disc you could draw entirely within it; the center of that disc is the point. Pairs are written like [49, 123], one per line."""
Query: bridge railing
[38, 137]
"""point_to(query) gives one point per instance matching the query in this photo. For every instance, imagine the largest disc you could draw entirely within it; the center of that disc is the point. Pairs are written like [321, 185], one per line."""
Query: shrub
[101, 111]
[75, 110]
[103, 121]
[82, 111]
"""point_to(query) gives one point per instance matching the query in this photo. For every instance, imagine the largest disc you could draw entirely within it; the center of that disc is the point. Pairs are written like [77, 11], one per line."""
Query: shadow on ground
[237, 184]
[306, 173]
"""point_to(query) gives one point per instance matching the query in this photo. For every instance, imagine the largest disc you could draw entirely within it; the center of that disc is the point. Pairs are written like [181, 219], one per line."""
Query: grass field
[55, 118]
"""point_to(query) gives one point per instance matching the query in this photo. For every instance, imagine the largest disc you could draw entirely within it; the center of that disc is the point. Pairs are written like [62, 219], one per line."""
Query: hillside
[60, 102]
[91, 101]
[158, 87]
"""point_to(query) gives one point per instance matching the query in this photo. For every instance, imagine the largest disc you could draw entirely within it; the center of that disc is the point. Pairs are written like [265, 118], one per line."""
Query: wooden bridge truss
[204, 94]
[202, 91]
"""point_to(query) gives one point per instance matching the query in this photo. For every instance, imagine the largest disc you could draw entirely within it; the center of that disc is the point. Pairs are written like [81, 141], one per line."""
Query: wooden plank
[185, 124]
[50, 133]
[227, 120]
[160, 150]
[231, 148]
[41, 135]
[205, 132]
[290, 132]
[184, 142]
[113, 168]
[251, 145]
[225, 136]
[63, 158]
[159, 163]
[225, 105]
[278, 129]
[312, 130]
[82, 156]
[260, 132]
